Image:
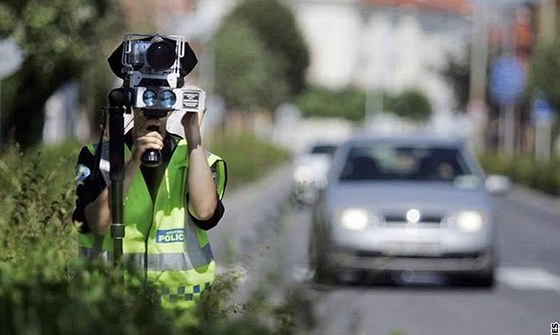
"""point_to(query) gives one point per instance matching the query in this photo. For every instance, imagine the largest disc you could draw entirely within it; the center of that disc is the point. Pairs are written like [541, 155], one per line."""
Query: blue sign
[170, 235]
[507, 80]
[543, 111]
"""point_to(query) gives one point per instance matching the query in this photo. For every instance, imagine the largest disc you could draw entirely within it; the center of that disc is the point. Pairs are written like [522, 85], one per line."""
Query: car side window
[360, 168]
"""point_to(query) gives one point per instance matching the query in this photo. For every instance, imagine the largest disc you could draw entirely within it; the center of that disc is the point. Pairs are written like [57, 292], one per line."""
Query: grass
[248, 157]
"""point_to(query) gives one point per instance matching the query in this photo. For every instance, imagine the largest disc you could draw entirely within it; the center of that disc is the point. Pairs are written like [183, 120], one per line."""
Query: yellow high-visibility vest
[160, 238]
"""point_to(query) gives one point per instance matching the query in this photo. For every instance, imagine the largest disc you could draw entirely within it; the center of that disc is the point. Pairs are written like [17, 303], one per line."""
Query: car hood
[387, 196]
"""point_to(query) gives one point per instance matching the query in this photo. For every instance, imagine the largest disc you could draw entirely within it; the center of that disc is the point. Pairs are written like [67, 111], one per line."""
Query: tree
[276, 28]
[412, 105]
[246, 74]
[544, 77]
[60, 39]
[545, 72]
[348, 103]
[456, 73]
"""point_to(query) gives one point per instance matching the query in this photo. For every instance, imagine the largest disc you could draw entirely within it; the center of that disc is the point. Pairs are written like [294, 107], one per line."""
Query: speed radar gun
[153, 68]
[152, 65]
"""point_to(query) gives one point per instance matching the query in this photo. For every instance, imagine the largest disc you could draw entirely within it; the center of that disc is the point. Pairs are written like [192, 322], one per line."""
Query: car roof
[430, 140]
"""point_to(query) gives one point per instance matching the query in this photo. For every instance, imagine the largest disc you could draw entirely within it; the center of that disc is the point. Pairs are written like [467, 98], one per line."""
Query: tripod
[120, 101]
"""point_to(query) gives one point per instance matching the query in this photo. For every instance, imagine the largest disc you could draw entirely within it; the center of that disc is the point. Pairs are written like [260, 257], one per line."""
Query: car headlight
[469, 221]
[303, 174]
[356, 219]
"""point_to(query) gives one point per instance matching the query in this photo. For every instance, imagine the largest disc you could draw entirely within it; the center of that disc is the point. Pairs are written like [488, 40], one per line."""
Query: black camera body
[153, 72]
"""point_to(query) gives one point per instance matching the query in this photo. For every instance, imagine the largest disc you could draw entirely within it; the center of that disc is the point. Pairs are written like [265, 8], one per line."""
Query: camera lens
[161, 55]
[149, 97]
[167, 99]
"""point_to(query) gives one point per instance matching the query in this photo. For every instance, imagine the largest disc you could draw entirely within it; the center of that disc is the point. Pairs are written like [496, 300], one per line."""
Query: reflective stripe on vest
[159, 262]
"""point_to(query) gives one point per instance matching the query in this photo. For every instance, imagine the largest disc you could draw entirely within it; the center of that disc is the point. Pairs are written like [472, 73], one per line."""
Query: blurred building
[547, 20]
[377, 45]
[387, 45]
[150, 16]
[374, 44]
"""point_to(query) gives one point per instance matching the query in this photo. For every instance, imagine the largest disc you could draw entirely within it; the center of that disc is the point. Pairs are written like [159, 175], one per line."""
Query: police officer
[167, 209]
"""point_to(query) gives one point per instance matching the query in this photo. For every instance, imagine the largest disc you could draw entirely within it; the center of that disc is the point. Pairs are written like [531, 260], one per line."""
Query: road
[265, 238]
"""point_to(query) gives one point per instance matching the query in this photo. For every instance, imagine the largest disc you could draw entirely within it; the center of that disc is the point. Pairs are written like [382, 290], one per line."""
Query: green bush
[525, 170]
[35, 205]
[348, 103]
[45, 288]
[411, 104]
[247, 156]
[88, 299]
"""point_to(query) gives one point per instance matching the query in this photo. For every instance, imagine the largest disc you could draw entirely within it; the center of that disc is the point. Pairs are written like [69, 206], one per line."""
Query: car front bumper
[376, 262]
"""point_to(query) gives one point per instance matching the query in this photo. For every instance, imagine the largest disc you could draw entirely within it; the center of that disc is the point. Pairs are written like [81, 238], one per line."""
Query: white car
[405, 204]
[310, 172]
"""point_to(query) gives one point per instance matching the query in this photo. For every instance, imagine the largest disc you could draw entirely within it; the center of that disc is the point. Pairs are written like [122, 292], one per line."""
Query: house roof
[461, 7]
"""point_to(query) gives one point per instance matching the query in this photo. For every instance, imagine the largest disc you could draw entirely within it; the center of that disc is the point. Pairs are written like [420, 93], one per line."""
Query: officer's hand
[190, 122]
[152, 140]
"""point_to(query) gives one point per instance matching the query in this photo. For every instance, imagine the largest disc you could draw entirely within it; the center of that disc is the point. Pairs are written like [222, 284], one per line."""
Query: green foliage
[45, 288]
[35, 203]
[456, 73]
[348, 103]
[412, 105]
[88, 299]
[276, 27]
[60, 39]
[247, 74]
[544, 74]
[247, 157]
[526, 171]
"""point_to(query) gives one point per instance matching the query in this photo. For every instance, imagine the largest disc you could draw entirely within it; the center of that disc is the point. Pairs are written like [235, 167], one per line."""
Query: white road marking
[528, 278]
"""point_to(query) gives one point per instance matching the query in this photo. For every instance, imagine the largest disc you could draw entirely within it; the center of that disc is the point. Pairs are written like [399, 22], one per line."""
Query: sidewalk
[543, 201]
[251, 212]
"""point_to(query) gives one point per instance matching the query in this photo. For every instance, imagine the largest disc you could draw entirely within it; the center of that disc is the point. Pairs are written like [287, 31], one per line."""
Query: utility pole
[476, 108]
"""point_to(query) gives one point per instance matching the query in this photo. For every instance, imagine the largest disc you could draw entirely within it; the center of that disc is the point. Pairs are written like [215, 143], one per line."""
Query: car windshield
[323, 149]
[393, 162]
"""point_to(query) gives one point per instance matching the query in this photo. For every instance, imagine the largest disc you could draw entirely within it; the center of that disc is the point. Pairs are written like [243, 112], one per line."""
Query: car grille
[425, 221]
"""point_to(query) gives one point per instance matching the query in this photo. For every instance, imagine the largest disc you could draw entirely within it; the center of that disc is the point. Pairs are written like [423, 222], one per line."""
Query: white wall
[381, 47]
[333, 32]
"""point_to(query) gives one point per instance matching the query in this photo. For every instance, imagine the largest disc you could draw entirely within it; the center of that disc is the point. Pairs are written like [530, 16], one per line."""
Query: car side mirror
[497, 184]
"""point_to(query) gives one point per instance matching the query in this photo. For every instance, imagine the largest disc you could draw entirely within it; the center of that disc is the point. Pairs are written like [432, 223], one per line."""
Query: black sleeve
[88, 188]
[218, 212]
[212, 221]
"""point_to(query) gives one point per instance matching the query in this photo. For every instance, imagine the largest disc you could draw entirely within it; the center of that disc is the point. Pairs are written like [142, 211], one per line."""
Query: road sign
[542, 110]
[507, 80]
[10, 57]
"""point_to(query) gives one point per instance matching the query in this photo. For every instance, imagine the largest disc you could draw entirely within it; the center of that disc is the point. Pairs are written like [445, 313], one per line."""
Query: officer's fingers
[148, 142]
[154, 134]
[150, 137]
